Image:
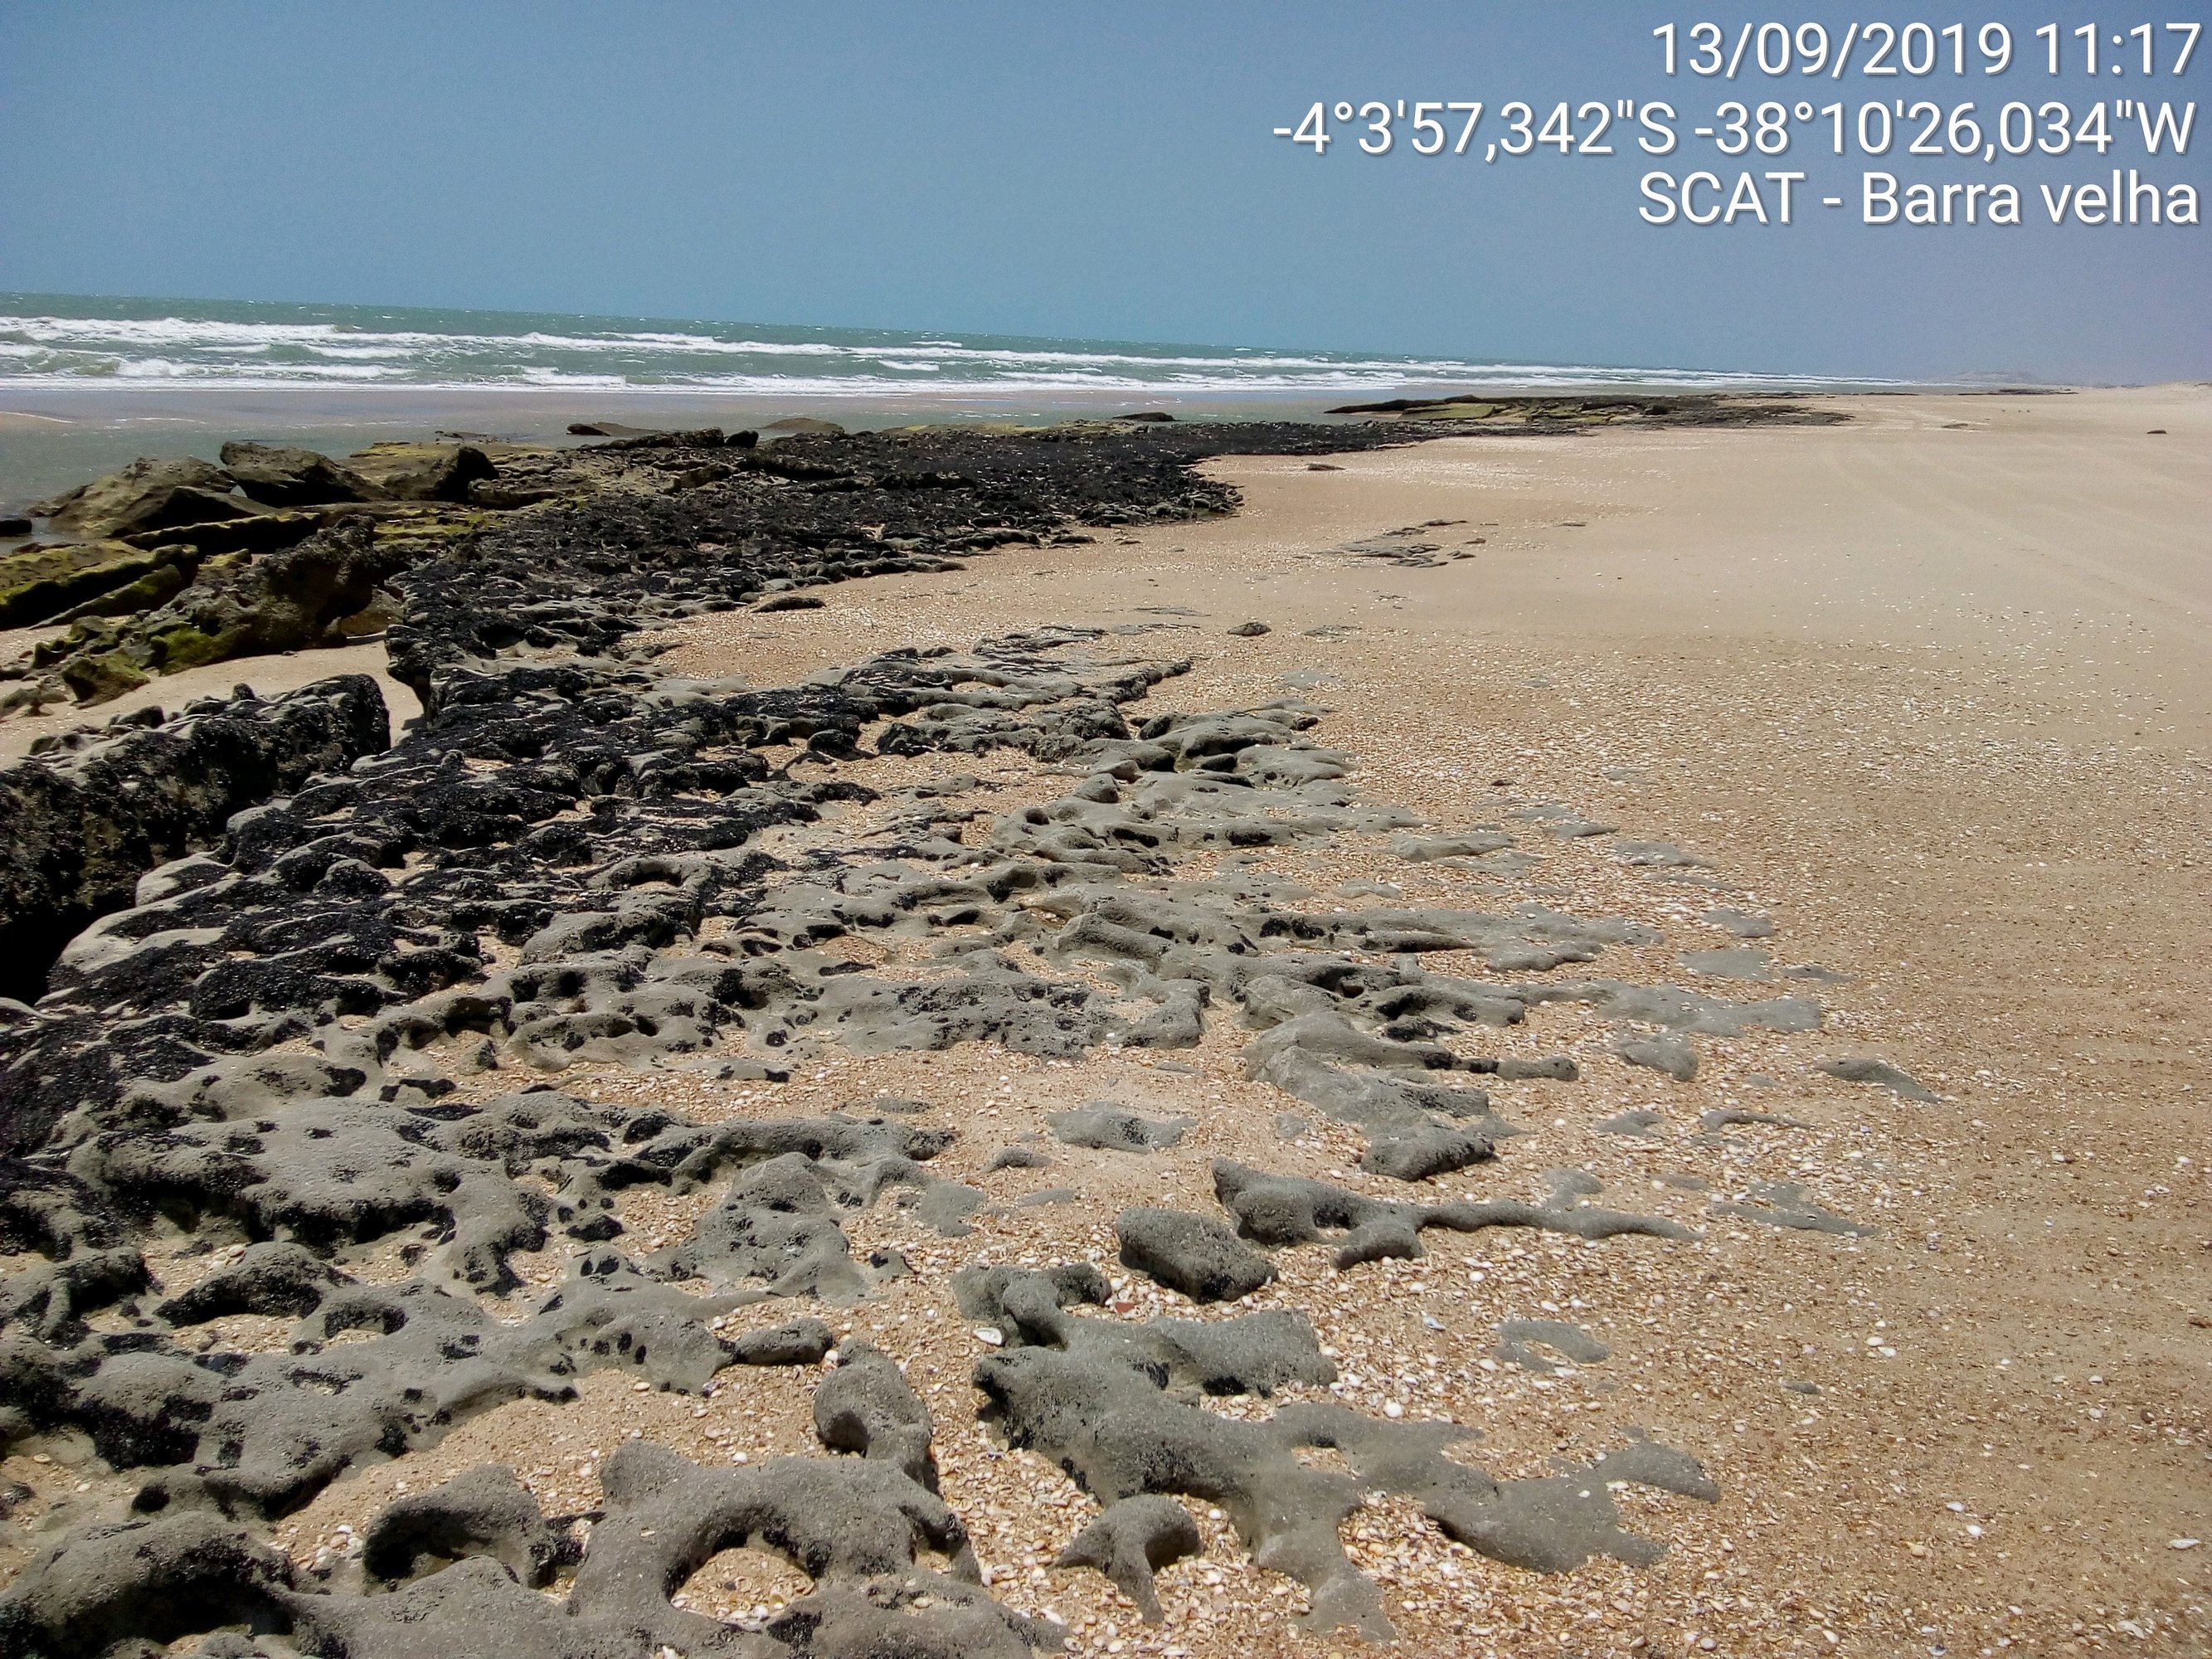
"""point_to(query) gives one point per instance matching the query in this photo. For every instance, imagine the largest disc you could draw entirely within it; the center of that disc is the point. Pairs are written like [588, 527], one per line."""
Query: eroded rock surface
[294, 1134]
[85, 822]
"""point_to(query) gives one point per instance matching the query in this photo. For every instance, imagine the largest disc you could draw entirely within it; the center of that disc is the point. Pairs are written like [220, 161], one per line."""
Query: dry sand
[1929, 690]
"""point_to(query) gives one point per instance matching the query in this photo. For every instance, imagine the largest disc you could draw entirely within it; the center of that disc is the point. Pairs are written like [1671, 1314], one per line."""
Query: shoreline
[54, 437]
[214, 402]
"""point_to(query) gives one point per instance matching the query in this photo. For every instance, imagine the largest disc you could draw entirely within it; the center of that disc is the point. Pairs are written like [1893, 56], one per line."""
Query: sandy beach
[1910, 715]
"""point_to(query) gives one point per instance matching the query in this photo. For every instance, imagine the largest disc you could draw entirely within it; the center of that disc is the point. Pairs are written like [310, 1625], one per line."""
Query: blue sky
[1087, 169]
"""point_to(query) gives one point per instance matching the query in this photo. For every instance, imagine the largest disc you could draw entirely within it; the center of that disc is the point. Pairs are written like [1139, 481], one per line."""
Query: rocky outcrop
[83, 825]
[40, 583]
[1567, 412]
[238, 605]
[446, 1570]
[1195, 1255]
[420, 472]
[285, 476]
[660, 525]
[326, 1049]
[147, 494]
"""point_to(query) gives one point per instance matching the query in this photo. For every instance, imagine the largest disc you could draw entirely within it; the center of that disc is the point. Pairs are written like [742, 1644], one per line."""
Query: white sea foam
[47, 344]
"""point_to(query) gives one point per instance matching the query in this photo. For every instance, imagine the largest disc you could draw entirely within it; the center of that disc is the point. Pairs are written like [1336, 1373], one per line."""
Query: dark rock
[1638, 1122]
[1462, 844]
[790, 602]
[149, 1580]
[1783, 1204]
[1424, 1151]
[285, 476]
[499, 492]
[291, 1037]
[610, 429]
[1278, 1210]
[638, 437]
[1253, 1353]
[1565, 411]
[11, 525]
[484, 1512]
[1191, 1254]
[1713, 1122]
[291, 599]
[1250, 630]
[171, 571]
[82, 828]
[866, 1405]
[1110, 1426]
[1656, 855]
[859, 1527]
[270, 1278]
[1738, 962]
[1744, 924]
[896, 1106]
[168, 510]
[259, 532]
[1665, 1052]
[1131, 1542]
[801, 1342]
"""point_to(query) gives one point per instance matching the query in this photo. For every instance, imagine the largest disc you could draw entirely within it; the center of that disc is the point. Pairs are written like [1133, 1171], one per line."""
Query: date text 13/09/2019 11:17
[1919, 48]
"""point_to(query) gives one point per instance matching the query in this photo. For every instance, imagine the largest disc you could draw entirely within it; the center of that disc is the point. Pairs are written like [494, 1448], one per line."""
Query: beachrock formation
[447, 1567]
[417, 472]
[647, 525]
[85, 822]
[282, 1127]
[147, 494]
[1567, 412]
[279, 475]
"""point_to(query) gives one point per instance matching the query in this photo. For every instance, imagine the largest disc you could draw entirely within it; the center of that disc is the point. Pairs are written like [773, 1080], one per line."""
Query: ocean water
[51, 341]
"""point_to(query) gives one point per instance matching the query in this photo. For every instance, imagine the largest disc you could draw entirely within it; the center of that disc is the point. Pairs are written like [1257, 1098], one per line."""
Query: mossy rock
[182, 646]
[258, 532]
[40, 583]
[285, 476]
[155, 588]
[422, 472]
[239, 603]
[96, 679]
[147, 494]
[88, 637]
